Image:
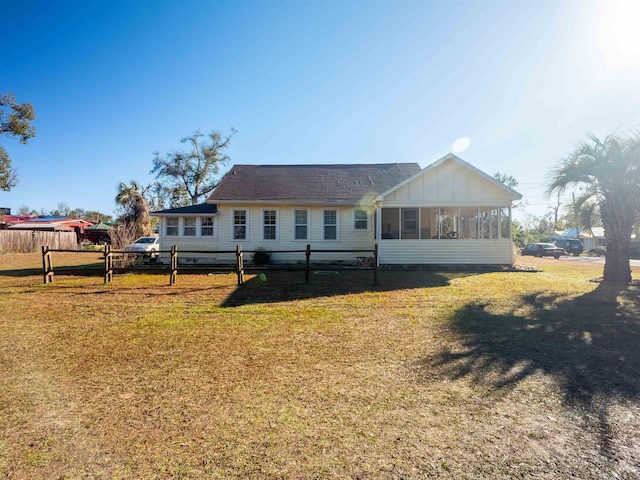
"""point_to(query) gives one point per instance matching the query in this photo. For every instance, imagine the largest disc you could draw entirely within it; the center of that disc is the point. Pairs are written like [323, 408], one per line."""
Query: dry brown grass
[429, 375]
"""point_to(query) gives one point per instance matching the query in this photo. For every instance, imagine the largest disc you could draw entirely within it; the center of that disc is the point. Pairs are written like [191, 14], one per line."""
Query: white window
[239, 224]
[172, 227]
[301, 224]
[206, 227]
[189, 228]
[360, 220]
[330, 224]
[269, 224]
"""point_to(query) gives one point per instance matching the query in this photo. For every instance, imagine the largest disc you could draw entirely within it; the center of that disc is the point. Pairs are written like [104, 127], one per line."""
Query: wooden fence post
[307, 266]
[375, 264]
[108, 264]
[239, 264]
[174, 265]
[47, 265]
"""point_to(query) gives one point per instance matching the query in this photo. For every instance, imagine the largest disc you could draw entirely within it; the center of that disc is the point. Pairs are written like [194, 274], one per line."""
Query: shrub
[260, 256]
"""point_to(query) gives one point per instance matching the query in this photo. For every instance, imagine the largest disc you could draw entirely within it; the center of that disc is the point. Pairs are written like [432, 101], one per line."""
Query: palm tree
[136, 209]
[607, 173]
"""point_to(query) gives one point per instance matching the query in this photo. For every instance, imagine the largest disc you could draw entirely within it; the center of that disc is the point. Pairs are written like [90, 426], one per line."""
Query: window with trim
[330, 224]
[360, 220]
[239, 224]
[301, 224]
[206, 227]
[269, 223]
[189, 228]
[172, 227]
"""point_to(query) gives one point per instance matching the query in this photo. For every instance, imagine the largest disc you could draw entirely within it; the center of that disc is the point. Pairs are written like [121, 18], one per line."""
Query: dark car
[571, 246]
[542, 250]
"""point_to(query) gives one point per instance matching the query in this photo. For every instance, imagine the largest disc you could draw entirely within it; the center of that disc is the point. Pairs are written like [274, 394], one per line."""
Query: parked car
[149, 245]
[542, 250]
[571, 246]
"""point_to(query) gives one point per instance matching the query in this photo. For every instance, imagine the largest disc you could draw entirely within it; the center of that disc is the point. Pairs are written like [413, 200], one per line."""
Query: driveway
[571, 258]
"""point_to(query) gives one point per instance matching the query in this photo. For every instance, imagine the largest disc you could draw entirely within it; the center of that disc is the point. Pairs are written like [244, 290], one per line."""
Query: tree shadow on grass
[588, 344]
[281, 286]
[22, 272]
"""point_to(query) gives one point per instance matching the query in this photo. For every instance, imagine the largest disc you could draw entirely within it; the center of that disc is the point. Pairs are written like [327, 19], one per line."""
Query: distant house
[7, 219]
[98, 233]
[447, 213]
[50, 223]
[591, 238]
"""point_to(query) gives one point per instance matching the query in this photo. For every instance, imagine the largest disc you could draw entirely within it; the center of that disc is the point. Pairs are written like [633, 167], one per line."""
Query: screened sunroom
[448, 213]
[445, 223]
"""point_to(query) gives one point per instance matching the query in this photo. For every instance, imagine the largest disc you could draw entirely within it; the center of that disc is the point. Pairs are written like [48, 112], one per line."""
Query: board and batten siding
[448, 184]
[348, 237]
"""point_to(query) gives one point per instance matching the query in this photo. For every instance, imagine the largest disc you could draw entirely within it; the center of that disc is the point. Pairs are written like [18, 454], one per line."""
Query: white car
[148, 245]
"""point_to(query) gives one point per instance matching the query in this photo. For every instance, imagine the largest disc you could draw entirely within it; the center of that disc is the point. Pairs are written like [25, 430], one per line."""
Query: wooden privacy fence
[31, 241]
[110, 257]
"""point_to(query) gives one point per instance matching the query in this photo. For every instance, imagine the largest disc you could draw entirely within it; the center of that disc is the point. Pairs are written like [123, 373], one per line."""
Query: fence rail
[111, 256]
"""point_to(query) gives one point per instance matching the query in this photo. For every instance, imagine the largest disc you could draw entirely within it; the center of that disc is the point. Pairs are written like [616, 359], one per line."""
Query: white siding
[445, 252]
[348, 237]
[183, 243]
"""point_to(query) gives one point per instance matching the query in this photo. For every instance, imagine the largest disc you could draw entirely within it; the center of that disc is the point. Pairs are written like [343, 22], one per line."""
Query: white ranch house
[449, 213]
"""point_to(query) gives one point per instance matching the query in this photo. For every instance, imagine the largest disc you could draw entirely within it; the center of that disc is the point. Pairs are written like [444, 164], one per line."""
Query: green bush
[260, 256]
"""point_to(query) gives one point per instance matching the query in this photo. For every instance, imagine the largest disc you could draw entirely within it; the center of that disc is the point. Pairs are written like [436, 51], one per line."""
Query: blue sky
[310, 82]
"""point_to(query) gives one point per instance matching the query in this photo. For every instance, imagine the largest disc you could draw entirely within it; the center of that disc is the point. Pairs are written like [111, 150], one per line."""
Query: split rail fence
[111, 258]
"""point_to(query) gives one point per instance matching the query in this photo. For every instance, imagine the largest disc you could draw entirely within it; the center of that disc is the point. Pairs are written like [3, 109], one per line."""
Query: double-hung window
[172, 227]
[239, 224]
[301, 224]
[269, 224]
[330, 224]
[189, 227]
[206, 227]
[360, 220]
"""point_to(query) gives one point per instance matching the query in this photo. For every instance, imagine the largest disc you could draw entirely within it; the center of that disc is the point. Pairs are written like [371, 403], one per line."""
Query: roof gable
[451, 158]
[310, 183]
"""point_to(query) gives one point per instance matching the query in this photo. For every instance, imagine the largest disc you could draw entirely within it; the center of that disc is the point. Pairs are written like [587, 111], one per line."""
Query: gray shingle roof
[314, 183]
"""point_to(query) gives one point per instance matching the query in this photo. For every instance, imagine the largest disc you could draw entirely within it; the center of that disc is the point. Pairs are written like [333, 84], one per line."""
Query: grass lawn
[464, 375]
